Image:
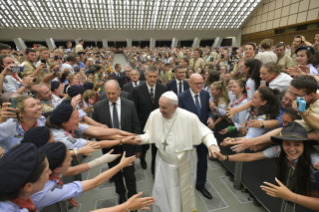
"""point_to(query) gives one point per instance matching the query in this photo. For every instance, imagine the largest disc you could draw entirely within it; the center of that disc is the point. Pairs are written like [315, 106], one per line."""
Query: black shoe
[231, 178]
[204, 192]
[228, 173]
[143, 164]
[122, 199]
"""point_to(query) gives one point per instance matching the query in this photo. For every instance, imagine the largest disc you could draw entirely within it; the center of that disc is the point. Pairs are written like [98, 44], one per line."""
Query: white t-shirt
[250, 88]
[266, 57]
[65, 65]
[282, 83]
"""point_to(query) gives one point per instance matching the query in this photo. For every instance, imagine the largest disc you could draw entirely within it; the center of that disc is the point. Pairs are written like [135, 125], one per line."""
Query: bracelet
[127, 210]
[120, 142]
[76, 151]
[231, 129]
[227, 158]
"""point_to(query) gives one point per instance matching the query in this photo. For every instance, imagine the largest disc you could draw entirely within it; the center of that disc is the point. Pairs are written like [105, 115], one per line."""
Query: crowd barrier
[253, 174]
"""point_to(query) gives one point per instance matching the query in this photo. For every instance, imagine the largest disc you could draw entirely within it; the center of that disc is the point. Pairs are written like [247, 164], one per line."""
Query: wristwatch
[262, 124]
[120, 142]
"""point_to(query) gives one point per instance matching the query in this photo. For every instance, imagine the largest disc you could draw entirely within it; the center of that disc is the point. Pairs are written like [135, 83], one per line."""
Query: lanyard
[251, 116]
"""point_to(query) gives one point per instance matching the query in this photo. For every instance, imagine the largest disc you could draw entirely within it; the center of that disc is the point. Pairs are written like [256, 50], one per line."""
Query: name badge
[58, 186]
[72, 140]
[18, 136]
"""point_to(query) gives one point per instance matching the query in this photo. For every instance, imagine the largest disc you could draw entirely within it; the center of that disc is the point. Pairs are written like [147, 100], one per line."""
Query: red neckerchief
[25, 204]
[25, 128]
[16, 78]
[71, 201]
[273, 78]
[239, 101]
[291, 164]
[251, 116]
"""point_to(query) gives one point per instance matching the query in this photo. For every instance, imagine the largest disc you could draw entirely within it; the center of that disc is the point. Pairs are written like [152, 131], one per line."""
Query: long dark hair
[299, 183]
[39, 169]
[254, 71]
[271, 108]
[213, 76]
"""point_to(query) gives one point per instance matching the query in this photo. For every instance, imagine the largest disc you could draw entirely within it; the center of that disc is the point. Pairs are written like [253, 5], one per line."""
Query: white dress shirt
[149, 89]
[137, 83]
[118, 108]
[194, 99]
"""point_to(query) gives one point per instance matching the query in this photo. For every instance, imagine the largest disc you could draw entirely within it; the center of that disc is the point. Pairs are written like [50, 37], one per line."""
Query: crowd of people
[59, 104]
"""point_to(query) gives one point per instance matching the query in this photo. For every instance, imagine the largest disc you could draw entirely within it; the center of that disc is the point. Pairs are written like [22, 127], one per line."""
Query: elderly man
[123, 80]
[135, 81]
[120, 113]
[175, 131]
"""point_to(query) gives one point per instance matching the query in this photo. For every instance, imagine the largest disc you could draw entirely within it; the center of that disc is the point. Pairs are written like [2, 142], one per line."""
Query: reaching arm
[100, 133]
[232, 111]
[90, 121]
[101, 178]
[242, 157]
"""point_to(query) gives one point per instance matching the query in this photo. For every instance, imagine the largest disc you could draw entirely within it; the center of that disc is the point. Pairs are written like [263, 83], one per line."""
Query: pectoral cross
[165, 144]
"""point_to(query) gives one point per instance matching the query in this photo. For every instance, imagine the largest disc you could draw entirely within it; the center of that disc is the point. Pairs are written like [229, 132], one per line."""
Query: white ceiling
[126, 14]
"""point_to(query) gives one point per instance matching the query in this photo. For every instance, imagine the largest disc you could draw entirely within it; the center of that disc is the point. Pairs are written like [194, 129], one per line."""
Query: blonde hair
[71, 77]
[43, 48]
[20, 104]
[223, 94]
[87, 94]
[53, 65]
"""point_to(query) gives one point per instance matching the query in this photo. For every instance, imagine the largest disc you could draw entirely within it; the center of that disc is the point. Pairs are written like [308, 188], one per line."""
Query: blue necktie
[180, 87]
[197, 105]
[116, 123]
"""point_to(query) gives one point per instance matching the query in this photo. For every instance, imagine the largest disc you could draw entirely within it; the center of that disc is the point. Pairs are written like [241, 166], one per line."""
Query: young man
[197, 62]
[44, 55]
[4, 49]
[283, 61]
[30, 69]
[70, 60]
[295, 45]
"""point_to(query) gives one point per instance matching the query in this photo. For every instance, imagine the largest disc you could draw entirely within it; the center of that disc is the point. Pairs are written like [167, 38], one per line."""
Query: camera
[17, 69]
[301, 104]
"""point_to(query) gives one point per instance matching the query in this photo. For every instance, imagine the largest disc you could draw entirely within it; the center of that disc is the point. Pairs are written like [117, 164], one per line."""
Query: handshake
[132, 139]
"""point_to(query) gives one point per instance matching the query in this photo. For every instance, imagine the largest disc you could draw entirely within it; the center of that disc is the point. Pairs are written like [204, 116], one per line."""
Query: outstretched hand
[213, 150]
[136, 203]
[280, 191]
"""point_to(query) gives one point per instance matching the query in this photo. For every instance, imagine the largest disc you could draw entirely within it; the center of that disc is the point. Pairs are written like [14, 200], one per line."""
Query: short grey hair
[113, 80]
[135, 70]
[151, 68]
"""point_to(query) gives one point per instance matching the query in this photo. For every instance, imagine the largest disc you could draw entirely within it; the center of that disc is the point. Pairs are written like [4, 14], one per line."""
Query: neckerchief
[25, 128]
[25, 204]
[239, 101]
[71, 201]
[252, 113]
[17, 78]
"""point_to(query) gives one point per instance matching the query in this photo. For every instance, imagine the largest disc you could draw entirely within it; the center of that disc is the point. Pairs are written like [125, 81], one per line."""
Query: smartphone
[13, 102]
[43, 61]
[56, 57]
[222, 57]
[17, 69]
[305, 69]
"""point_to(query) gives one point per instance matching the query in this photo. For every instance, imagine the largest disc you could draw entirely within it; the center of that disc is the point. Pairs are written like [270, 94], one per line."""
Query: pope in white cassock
[175, 131]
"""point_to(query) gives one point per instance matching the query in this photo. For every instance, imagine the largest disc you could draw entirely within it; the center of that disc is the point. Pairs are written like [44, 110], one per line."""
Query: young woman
[250, 69]
[28, 115]
[213, 76]
[73, 80]
[294, 151]
[218, 101]
[238, 89]
[64, 120]
[264, 106]
[223, 69]
[24, 172]
[189, 73]
[305, 60]
[168, 57]
[60, 159]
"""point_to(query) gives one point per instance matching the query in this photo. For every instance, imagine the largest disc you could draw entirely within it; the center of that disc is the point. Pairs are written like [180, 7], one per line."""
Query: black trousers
[127, 174]
[145, 147]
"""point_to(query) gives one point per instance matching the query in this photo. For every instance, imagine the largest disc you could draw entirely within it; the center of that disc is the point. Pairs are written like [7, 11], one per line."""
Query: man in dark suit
[145, 98]
[126, 78]
[196, 100]
[134, 76]
[178, 85]
[123, 94]
[117, 73]
[116, 112]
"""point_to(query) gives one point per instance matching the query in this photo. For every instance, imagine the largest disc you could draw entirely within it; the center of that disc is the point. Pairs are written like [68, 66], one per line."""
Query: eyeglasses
[297, 95]
[198, 83]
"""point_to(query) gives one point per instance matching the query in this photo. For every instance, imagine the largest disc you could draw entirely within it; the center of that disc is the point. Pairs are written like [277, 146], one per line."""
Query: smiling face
[32, 109]
[293, 149]
[65, 165]
[302, 58]
[265, 75]
[256, 100]
[73, 122]
[249, 51]
[287, 100]
[235, 88]
[166, 107]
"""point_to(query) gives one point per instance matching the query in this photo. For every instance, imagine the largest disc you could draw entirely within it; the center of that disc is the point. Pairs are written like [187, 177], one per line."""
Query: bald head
[112, 90]
[196, 82]
[43, 92]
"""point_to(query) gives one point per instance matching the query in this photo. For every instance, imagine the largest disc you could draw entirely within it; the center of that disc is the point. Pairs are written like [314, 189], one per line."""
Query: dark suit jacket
[142, 100]
[142, 76]
[113, 75]
[128, 87]
[123, 94]
[172, 86]
[185, 100]
[129, 120]
[123, 80]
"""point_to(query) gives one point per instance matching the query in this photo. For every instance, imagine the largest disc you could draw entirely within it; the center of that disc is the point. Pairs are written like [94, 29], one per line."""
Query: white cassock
[175, 171]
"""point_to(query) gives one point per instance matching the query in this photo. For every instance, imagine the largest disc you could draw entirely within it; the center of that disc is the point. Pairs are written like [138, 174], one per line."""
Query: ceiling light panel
[125, 14]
